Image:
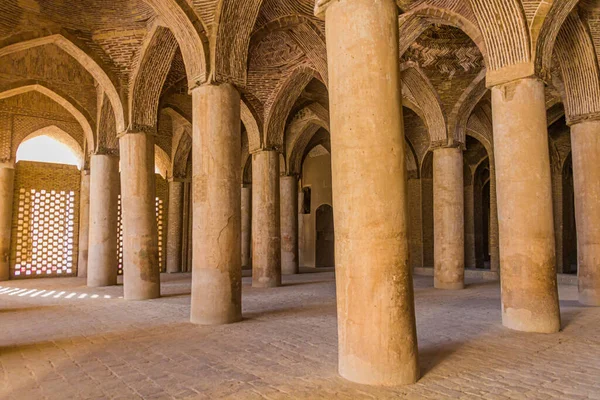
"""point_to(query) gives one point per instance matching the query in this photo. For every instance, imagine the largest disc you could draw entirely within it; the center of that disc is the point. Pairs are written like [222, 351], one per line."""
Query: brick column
[217, 205]
[289, 224]
[266, 224]
[448, 220]
[375, 305]
[524, 192]
[141, 274]
[103, 215]
[7, 182]
[585, 145]
[84, 224]
[175, 226]
[246, 226]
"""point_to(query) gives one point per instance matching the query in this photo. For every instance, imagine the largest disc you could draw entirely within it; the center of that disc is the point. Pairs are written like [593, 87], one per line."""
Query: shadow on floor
[316, 310]
[432, 356]
[26, 309]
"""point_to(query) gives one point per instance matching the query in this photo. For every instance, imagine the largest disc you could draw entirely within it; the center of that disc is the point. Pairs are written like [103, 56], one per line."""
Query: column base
[263, 284]
[100, 284]
[525, 321]
[216, 320]
[149, 295]
[364, 375]
[448, 285]
[590, 297]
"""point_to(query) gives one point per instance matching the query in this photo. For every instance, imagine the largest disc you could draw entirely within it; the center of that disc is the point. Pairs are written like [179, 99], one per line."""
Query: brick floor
[95, 347]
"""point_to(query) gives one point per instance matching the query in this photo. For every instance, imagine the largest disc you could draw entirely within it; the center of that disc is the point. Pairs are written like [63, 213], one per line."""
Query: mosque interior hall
[300, 199]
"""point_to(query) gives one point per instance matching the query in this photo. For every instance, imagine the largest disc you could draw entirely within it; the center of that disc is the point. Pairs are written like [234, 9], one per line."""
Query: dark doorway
[325, 247]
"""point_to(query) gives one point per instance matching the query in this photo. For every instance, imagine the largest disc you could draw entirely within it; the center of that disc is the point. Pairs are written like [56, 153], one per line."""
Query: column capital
[266, 149]
[10, 164]
[321, 7]
[105, 152]
[446, 145]
[136, 129]
[512, 73]
[177, 179]
[578, 119]
[210, 82]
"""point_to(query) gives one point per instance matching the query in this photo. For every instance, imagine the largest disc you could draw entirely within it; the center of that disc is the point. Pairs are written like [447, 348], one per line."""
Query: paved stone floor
[99, 346]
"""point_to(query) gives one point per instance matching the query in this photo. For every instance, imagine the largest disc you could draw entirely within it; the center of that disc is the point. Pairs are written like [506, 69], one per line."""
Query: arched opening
[51, 145]
[46, 200]
[325, 238]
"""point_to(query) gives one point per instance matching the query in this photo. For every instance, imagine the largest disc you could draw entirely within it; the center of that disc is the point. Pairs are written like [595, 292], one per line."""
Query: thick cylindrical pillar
[7, 182]
[493, 222]
[84, 224]
[246, 226]
[103, 240]
[141, 273]
[375, 304]
[585, 145]
[175, 226]
[448, 219]
[266, 224]
[217, 270]
[524, 193]
[470, 207]
[288, 186]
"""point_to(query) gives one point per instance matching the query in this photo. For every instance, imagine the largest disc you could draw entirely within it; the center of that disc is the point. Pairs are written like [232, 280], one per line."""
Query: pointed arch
[149, 79]
[69, 104]
[235, 20]
[459, 117]
[190, 34]
[94, 66]
[302, 128]
[252, 128]
[162, 161]
[579, 68]
[506, 35]
[59, 135]
[305, 34]
[182, 150]
[419, 88]
[281, 104]
[413, 23]
[547, 22]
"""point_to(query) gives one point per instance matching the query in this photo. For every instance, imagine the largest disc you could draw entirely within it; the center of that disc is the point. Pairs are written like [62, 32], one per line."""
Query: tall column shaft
[175, 227]
[448, 219]
[103, 217]
[7, 183]
[84, 224]
[375, 304]
[493, 222]
[217, 270]
[246, 226]
[524, 193]
[585, 145]
[141, 274]
[289, 224]
[471, 248]
[266, 224]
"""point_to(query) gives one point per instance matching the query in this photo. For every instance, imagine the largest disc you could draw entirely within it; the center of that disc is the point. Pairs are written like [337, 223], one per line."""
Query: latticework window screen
[45, 220]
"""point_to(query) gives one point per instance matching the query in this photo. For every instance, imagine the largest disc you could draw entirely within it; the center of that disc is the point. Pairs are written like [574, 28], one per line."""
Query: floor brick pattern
[100, 346]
